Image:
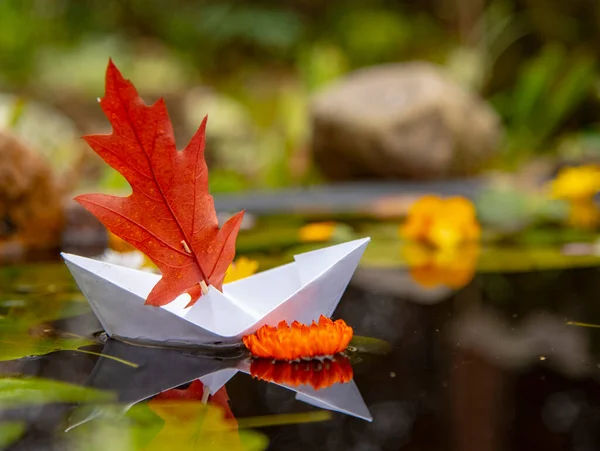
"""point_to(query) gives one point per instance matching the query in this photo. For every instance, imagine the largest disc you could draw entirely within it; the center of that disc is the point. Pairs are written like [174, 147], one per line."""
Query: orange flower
[442, 223]
[315, 373]
[300, 341]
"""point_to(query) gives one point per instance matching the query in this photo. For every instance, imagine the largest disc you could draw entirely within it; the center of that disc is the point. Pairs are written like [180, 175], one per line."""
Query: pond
[508, 360]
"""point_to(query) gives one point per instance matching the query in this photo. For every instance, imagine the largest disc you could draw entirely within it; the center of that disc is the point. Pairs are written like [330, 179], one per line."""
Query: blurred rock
[49, 133]
[230, 133]
[31, 211]
[83, 233]
[405, 120]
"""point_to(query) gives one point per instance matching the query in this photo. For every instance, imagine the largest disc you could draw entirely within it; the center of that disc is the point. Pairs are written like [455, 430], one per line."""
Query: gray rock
[406, 120]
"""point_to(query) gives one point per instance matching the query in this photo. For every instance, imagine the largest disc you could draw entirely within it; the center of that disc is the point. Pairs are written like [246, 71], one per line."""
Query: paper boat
[162, 369]
[303, 290]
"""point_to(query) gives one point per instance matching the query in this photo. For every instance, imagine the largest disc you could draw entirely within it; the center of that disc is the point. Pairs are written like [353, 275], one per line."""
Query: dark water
[493, 366]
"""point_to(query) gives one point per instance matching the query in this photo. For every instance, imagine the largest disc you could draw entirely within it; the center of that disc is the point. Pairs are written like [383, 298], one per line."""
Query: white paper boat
[303, 290]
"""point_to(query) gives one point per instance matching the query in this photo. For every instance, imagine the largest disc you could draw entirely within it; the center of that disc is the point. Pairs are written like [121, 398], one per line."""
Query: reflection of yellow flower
[240, 269]
[451, 267]
[317, 232]
[325, 338]
[576, 183]
[441, 222]
[584, 214]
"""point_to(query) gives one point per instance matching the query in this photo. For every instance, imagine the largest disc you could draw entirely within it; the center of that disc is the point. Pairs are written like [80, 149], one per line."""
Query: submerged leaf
[369, 345]
[17, 392]
[15, 344]
[29, 310]
[10, 432]
[171, 424]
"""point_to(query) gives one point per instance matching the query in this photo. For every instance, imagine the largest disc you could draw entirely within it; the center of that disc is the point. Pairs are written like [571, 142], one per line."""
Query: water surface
[491, 366]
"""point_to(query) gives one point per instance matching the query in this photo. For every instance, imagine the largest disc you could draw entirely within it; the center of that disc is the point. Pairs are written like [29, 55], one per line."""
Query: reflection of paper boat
[344, 398]
[302, 290]
[162, 369]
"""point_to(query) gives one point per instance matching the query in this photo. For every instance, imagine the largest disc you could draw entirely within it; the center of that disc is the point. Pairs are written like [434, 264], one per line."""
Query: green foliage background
[536, 62]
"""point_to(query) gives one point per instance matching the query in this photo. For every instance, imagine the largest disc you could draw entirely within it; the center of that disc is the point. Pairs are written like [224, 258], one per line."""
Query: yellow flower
[122, 253]
[442, 223]
[584, 214]
[241, 268]
[450, 267]
[317, 232]
[118, 244]
[576, 183]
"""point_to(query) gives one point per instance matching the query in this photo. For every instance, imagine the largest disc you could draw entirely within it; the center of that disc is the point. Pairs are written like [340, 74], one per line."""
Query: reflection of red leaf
[195, 392]
[316, 373]
[170, 216]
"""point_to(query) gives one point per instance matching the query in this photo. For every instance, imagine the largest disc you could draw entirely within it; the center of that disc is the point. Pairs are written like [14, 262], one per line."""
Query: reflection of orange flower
[441, 222]
[454, 267]
[318, 374]
[326, 338]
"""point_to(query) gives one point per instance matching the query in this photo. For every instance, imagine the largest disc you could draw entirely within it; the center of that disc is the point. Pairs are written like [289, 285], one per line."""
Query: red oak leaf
[170, 215]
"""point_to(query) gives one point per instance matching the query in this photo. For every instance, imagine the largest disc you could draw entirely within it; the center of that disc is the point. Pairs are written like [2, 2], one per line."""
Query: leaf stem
[106, 356]
[203, 287]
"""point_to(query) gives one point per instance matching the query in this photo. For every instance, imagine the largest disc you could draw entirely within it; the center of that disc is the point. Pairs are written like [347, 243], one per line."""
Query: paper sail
[162, 369]
[301, 291]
